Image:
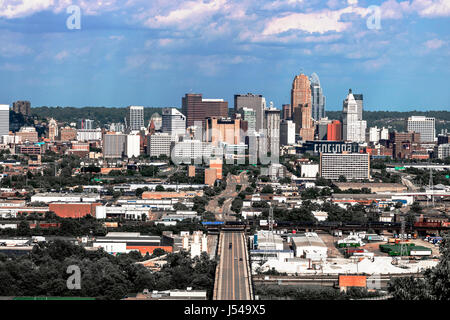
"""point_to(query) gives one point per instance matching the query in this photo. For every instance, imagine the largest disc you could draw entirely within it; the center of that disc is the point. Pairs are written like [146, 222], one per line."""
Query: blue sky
[140, 52]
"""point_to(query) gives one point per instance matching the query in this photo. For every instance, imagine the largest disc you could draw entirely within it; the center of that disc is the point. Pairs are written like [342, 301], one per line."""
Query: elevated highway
[233, 277]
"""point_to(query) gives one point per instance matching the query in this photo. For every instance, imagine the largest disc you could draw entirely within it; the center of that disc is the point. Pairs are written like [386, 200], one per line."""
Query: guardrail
[216, 278]
[249, 271]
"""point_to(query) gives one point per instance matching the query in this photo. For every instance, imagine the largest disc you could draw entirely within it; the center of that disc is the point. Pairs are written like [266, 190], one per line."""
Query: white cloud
[62, 55]
[188, 14]
[117, 38]
[434, 44]
[21, 8]
[392, 9]
[12, 9]
[320, 22]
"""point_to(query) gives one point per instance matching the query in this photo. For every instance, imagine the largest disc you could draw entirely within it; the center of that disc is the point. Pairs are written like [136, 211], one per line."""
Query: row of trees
[103, 276]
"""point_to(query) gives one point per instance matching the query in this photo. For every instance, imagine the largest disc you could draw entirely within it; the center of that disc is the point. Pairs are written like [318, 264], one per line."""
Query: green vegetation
[274, 292]
[103, 276]
[101, 115]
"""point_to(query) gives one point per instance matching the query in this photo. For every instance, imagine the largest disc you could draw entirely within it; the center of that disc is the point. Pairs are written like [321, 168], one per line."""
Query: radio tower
[403, 249]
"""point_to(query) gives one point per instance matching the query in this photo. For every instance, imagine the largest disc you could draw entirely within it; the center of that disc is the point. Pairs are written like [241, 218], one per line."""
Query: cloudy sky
[152, 52]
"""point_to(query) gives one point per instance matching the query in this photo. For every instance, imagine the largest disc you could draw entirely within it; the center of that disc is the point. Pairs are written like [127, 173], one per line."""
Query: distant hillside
[101, 115]
[397, 120]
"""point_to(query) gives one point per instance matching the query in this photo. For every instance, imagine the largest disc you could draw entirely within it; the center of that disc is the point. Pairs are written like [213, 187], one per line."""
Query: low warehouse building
[309, 246]
[73, 210]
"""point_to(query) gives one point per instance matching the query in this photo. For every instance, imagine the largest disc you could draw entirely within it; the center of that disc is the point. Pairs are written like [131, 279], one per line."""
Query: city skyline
[151, 54]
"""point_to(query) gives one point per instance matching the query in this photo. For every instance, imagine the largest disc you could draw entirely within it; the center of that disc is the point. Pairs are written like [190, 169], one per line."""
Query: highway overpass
[233, 277]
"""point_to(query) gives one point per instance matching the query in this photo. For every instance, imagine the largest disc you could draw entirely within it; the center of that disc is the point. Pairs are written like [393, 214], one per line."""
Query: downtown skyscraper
[251, 101]
[317, 98]
[301, 107]
[135, 118]
[353, 126]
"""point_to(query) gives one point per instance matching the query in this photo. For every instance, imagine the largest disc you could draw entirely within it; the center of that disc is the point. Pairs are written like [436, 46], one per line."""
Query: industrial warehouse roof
[308, 240]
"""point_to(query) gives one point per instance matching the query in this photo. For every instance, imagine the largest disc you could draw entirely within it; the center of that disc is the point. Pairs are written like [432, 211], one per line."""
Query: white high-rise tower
[353, 127]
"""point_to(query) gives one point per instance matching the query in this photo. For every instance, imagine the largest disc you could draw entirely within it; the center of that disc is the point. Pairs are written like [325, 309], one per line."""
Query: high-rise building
[360, 103]
[334, 131]
[86, 124]
[114, 145]
[224, 130]
[322, 128]
[374, 134]
[197, 109]
[23, 107]
[159, 144]
[286, 112]
[301, 107]
[157, 121]
[317, 98]
[423, 125]
[133, 145]
[443, 151]
[384, 134]
[4, 120]
[251, 101]
[287, 132]
[353, 166]
[272, 127]
[173, 122]
[52, 129]
[249, 115]
[354, 128]
[135, 118]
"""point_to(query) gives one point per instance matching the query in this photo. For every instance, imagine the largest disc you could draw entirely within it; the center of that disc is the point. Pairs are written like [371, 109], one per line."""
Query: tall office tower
[334, 131]
[133, 145]
[354, 129]
[173, 122]
[287, 132]
[52, 129]
[4, 120]
[23, 107]
[135, 118]
[249, 115]
[86, 124]
[384, 134]
[374, 134]
[360, 103]
[114, 145]
[272, 127]
[423, 125]
[197, 109]
[286, 112]
[157, 121]
[224, 130]
[317, 98]
[322, 128]
[251, 101]
[301, 107]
